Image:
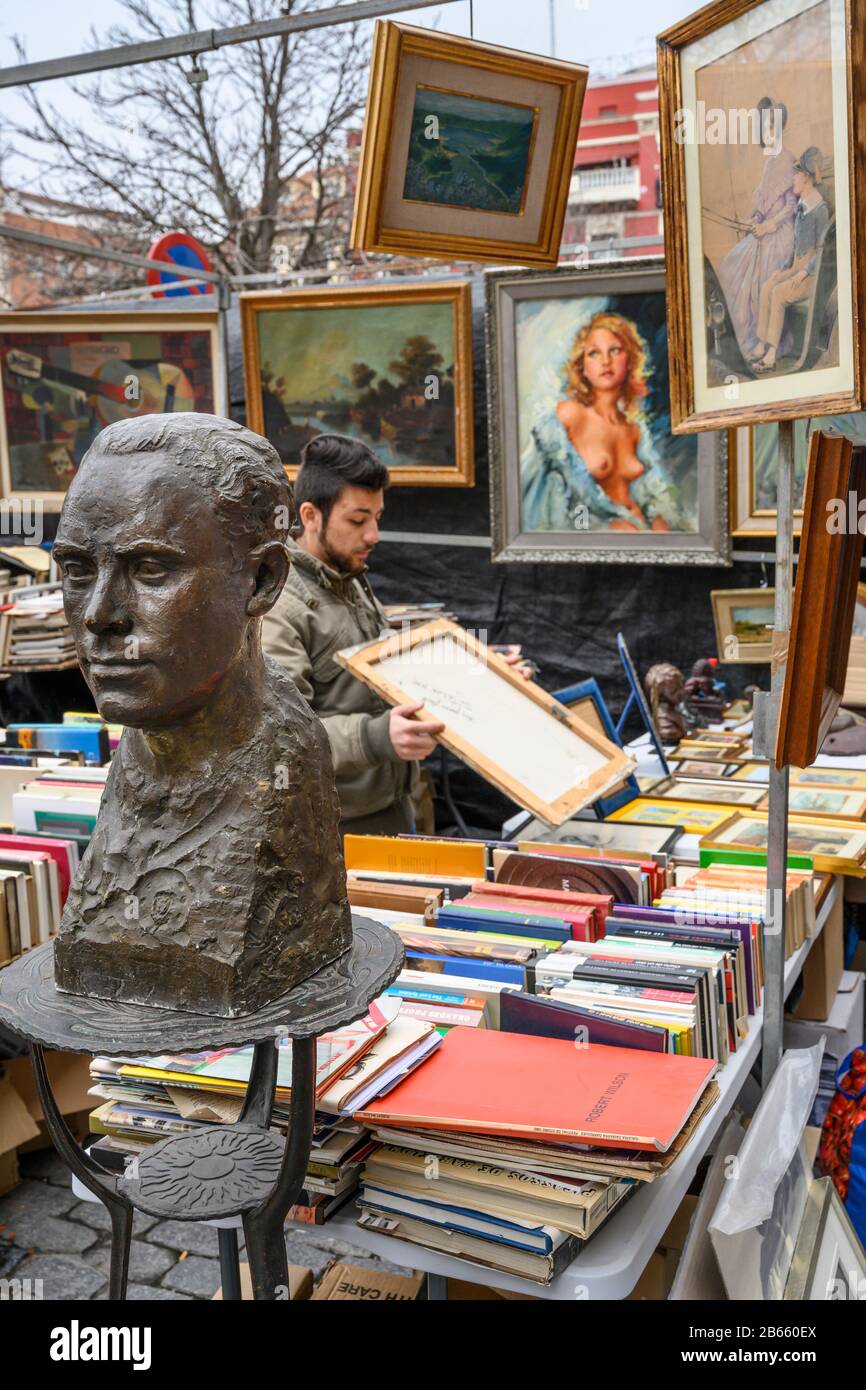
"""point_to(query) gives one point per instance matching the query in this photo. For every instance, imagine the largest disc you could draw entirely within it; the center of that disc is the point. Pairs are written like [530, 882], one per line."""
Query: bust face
[155, 595]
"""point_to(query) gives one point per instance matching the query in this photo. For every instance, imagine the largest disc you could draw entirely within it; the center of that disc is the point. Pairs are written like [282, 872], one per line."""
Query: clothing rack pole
[777, 821]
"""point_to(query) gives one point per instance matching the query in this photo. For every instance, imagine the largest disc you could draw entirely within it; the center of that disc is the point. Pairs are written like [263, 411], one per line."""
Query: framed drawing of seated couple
[583, 462]
[764, 205]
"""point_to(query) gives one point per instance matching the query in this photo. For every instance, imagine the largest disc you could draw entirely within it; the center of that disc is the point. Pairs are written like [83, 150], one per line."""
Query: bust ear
[270, 564]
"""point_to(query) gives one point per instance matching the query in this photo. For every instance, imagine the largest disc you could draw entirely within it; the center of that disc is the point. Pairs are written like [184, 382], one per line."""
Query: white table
[613, 1260]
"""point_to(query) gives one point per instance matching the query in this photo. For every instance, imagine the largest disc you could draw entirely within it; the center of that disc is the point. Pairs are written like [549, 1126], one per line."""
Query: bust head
[171, 547]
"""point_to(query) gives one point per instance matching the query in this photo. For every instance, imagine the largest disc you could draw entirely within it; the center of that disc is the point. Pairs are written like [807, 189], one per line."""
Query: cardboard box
[354, 1284]
[674, 1237]
[300, 1283]
[843, 1028]
[9, 1174]
[655, 1282]
[69, 1075]
[16, 1123]
[822, 970]
[461, 1291]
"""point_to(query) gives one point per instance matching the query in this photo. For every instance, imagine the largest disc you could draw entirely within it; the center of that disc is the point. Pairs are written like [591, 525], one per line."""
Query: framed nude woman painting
[584, 466]
[764, 205]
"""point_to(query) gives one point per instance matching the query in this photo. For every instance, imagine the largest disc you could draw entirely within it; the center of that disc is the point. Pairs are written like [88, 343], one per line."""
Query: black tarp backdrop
[566, 616]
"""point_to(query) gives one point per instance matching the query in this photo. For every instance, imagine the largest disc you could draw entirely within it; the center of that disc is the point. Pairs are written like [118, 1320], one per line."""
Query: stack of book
[62, 803]
[512, 1150]
[35, 874]
[34, 633]
[144, 1100]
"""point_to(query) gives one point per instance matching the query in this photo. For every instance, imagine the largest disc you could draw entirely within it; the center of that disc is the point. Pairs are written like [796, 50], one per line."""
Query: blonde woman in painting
[591, 462]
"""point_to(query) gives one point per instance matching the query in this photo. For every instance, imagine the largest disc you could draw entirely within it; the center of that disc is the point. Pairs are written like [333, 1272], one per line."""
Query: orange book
[517, 1086]
[415, 855]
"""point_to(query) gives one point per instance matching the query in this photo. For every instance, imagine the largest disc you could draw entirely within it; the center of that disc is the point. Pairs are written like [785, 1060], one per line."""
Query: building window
[607, 111]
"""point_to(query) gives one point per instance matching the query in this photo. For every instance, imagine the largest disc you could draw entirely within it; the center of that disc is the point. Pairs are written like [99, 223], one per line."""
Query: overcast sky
[596, 32]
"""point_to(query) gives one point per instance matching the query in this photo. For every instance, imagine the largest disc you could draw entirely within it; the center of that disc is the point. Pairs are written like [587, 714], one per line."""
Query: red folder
[520, 1087]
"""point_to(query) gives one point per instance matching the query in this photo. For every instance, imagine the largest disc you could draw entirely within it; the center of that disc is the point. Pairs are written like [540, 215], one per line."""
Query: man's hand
[412, 739]
[514, 656]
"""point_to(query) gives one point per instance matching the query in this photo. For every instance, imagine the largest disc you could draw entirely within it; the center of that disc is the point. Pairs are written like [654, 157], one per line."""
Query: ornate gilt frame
[709, 545]
[369, 233]
[455, 292]
[670, 46]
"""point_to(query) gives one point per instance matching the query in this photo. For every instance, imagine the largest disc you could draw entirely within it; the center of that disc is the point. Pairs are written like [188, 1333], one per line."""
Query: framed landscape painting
[66, 376]
[583, 464]
[764, 208]
[468, 149]
[744, 625]
[390, 365]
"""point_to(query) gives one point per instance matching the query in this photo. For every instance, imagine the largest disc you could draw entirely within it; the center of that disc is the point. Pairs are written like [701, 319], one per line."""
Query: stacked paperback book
[512, 1150]
[34, 633]
[146, 1099]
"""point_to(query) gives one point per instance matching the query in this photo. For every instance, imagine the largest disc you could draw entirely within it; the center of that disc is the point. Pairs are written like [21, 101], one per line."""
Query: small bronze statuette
[214, 881]
[664, 684]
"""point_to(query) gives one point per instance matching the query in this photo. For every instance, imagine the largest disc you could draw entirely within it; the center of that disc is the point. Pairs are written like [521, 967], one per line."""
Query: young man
[794, 284]
[327, 604]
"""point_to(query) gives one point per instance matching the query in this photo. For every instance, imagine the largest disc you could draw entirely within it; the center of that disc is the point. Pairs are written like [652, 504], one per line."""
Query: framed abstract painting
[764, 201]
[66, 376]
[583, 464]
[468, 149]
[388, 364]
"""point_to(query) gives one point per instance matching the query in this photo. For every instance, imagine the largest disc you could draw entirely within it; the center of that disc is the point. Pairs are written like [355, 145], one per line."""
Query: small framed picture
[744, 625]
[468, 149]
[583, 465]
[765, 202]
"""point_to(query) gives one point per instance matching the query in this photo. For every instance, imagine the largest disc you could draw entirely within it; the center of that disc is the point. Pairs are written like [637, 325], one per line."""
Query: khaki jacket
[318, 612]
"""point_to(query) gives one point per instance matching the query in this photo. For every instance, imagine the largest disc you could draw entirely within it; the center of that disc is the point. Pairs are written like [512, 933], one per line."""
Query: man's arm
[357, 740]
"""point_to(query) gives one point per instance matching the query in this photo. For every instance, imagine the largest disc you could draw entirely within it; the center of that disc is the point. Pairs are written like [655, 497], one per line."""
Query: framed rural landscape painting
[744, 625]
[468, 149]
[583, 463]
[389, 364]
[764, 209]
[66, 376]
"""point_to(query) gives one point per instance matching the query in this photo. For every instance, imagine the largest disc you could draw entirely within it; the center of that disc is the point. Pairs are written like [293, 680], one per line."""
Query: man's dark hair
[332, 462]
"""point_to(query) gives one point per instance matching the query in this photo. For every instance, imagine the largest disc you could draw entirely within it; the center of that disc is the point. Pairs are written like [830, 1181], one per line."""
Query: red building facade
[616, 185]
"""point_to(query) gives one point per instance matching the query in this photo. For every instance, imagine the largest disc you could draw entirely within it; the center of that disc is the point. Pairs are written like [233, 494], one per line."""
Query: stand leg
[262, 1083]
[777, 819]
[230, 1271]
[437, 1288]
[263, 1228]
[91, 1176]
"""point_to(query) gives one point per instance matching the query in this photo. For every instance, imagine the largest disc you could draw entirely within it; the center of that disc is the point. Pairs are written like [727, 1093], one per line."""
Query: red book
[58, 850]
[517, 1086]
[599, 902]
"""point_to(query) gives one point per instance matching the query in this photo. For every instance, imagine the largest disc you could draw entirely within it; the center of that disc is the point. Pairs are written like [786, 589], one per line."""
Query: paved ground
[47, 1233]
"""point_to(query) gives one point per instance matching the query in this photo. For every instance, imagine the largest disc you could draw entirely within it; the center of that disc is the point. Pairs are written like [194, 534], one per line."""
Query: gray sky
[596, 32]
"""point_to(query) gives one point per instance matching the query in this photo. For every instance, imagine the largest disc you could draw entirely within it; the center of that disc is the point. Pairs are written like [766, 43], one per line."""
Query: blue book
[468, 966]
[91, 740]
[509, 923]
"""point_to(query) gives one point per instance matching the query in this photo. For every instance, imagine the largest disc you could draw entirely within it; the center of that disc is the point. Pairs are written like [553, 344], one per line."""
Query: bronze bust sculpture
[664, 683]
[214, 880]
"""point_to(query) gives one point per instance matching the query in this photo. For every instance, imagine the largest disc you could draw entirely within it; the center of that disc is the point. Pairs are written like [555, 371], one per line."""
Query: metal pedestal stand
[241, 1169]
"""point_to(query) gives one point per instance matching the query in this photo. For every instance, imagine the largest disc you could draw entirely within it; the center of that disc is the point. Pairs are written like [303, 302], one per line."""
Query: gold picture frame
[752, 472]
[76, 372]
[511, 213]
[736, 642]
[558, 765]
[793, 81]
[323, 354]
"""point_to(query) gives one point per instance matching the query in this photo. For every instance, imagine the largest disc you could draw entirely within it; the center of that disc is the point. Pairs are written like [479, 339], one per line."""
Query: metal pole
[224, 303]
[552, 13]
[201, 41]
[104, 253]
[777, 820]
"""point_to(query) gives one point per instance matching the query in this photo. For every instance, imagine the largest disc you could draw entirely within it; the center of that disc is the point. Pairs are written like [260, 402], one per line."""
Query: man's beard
[343, 564]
